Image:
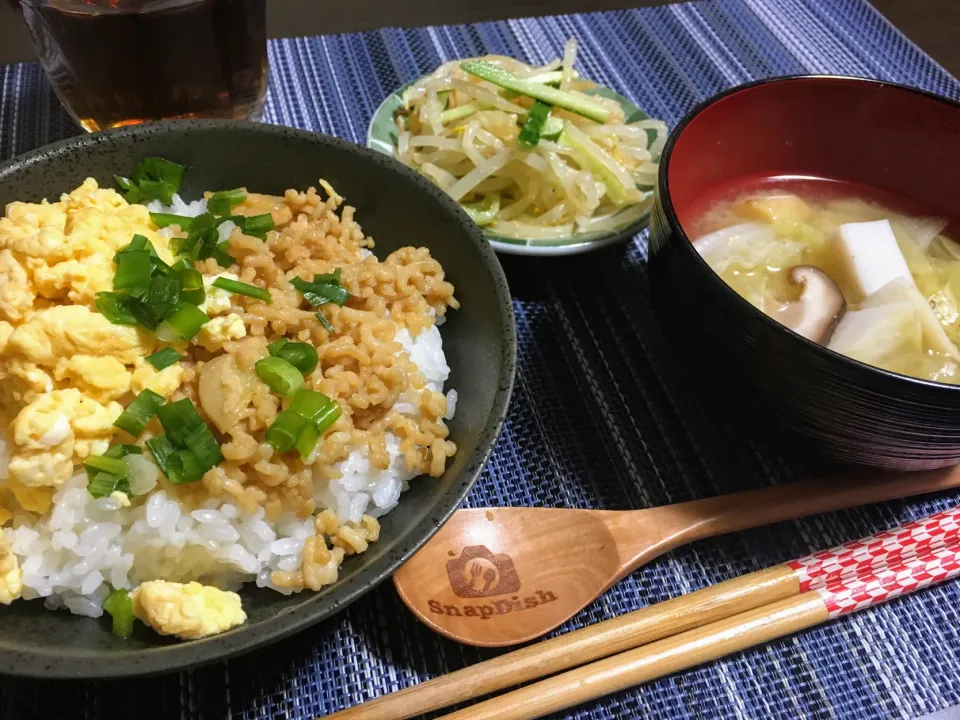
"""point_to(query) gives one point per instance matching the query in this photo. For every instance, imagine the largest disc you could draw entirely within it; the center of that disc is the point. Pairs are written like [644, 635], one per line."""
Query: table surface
[601, 415]
[934, 25]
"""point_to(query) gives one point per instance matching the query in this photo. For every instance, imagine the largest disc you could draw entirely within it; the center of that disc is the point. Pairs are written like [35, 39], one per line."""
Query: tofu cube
[869, 256]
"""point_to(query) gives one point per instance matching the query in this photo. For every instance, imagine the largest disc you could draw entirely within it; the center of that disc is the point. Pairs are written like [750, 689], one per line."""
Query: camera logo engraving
[480, 573]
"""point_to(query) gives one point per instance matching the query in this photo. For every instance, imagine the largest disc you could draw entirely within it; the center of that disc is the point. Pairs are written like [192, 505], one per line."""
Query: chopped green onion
[218, 207]
[201, 442]
[163, 358]
[137, 242]
[160, 169]
[234, 197]
[103, 484]
[163, 296]
[323, 321]
[239, 288]
[157, 190]
[179, 419]
[302, 356]
[320, 293]
[121, 451]
[275, 347]
[133, 272]
[114, 307]
[162, 220]
[222, 255]
[328, 417]
[285, 430]
[258, 225]
[119, 606]
[191, 283]
[282, 377]
[185, 322]
[104, 464]
[162, 450]
[307, 441]
[140, 412]
[333, 277]
[131, 193]
[309, 404]
[183, 467]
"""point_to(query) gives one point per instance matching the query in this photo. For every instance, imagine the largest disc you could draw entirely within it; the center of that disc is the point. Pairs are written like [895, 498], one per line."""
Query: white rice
[85, 546]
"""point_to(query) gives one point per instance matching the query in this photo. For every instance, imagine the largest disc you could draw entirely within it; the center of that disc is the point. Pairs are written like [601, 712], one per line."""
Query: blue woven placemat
[601, 416]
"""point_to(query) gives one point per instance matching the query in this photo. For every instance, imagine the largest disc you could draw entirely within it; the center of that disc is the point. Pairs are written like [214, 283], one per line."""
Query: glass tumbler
[122, 62]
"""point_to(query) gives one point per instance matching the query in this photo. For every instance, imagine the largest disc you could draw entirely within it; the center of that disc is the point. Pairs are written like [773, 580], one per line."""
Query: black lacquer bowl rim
[666, 204]
[170, 657]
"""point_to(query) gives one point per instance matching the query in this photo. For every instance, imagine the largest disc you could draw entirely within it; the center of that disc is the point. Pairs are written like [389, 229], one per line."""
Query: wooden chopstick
[656, 622]
[717, 639]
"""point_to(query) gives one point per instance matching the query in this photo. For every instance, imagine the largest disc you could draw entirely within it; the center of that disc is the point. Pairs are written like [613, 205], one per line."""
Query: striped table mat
[601, 416]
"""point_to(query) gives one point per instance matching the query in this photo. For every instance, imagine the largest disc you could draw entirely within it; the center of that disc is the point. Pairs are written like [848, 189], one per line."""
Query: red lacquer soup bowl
[900, 142]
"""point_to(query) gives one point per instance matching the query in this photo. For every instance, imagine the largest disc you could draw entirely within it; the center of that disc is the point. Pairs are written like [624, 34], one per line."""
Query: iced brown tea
[121, 62]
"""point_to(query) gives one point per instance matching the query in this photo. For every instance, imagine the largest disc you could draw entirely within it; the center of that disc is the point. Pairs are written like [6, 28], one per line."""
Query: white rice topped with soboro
[280, 510]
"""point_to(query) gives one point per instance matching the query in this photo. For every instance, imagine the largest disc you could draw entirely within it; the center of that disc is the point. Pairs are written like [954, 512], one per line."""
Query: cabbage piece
[895, 329]
[750, 246]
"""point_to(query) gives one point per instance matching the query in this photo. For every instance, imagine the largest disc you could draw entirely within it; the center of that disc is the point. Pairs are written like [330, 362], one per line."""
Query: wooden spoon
[500, 576]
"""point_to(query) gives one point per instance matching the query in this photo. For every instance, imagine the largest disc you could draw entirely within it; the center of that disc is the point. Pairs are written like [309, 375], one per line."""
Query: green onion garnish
[302, 356]
[204, 446]
[121, 451]
[104, 464]
[103, 484]
[162, 450]
[331, 413]
[222, 255]
[239, 288]
[115, 308]
[258, 225]
[322, 290]
[285, 430]
[222, 201]
[140, 412]
[119, 606]
[163, 296]
[179, 419]
[183, 467]
[282, 377]
[185, 322]
[162, 220]
[131, 193]
[163, 358]
[160, 169]
[156, 190]
[137, 242]
[309, 404]
[133, 272]
[323, 321]
[307, 441]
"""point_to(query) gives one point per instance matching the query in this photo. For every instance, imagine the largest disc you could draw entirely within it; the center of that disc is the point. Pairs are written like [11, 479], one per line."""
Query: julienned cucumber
[533, 125]
[552, 129]
[550, 95]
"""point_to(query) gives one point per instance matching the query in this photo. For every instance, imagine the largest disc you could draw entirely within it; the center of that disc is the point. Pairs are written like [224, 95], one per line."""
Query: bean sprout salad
[526, 150]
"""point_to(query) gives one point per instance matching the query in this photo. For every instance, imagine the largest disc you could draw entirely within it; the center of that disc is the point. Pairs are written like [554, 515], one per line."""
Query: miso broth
[792, 250]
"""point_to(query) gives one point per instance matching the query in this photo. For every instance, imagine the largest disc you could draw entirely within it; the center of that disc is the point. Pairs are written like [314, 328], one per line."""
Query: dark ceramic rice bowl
[396, 207]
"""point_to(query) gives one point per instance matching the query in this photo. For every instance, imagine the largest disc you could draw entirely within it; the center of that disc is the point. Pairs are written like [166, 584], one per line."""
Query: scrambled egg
[189, 611]
[11, 577]
[221, 330]
[63, 365]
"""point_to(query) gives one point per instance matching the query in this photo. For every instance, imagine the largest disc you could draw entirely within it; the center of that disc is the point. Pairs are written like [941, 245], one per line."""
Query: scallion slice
[184, 467]
[104, 464]
[331, 413]
[179, 419]
[131, 193]
[115, 308]
[302, 356]
[282, 377]
[163, 358]
[324, 321]
[307, 441]
[160, 169]
[285, 430]
[222, 255]
[157, 190]
[204, 446]
[162, 220]
[119, 606]
[258, 225]
[162, 450]
[103, 484]
[121, 451]
[185, 322]
[320, 293]
[140, 412]
[222, 201]
[134, 269]
[239, 288]
[309, 404]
